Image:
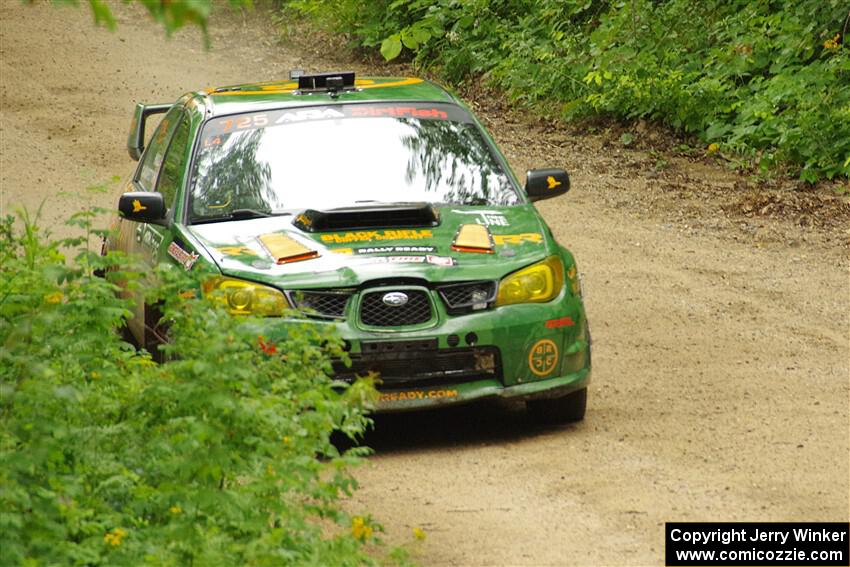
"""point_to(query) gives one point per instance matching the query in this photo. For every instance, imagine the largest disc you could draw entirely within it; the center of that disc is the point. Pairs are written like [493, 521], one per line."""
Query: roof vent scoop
[358, 218]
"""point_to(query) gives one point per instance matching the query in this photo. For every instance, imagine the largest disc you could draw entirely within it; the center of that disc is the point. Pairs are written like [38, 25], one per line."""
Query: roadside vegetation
[221, 455]
[766, 81]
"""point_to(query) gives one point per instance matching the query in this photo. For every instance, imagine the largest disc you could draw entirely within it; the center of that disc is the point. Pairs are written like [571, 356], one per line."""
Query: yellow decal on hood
[236, 251]
[284, 249]
[534, 237]
[473, 238]
[377, 235]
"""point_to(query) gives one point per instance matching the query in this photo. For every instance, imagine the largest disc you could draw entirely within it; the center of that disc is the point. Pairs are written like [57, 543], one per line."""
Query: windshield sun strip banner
[399, 110]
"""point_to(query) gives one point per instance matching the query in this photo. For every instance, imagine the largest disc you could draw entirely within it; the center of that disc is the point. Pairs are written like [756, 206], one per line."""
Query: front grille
[410, 365]
[375, 313]
[328, 304]
[468, 296]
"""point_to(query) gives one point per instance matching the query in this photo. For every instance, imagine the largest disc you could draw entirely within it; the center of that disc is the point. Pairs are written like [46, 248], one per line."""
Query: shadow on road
[470, 424]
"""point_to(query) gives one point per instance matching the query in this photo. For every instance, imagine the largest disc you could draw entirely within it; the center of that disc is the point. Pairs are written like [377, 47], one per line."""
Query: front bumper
[421, 398]
[518, 352]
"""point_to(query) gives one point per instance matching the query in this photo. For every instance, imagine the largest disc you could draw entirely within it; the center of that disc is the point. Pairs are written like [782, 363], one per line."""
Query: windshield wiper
[239, 214]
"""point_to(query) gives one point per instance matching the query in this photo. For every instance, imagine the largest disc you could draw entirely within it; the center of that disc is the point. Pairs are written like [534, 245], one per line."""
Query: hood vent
[473, 238]
[357, 218]
[285, 249]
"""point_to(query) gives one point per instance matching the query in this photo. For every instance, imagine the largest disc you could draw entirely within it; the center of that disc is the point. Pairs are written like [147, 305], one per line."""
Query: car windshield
[342, 156]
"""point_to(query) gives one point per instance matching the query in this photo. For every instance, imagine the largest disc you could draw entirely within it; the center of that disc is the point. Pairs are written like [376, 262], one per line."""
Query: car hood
[276, 251]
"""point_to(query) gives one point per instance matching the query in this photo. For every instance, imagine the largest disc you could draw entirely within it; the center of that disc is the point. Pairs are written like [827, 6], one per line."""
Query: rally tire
[565, 409]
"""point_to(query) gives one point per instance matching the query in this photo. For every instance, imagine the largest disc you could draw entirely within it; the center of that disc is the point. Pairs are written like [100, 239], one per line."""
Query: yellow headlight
[537, 283]
[246, 298]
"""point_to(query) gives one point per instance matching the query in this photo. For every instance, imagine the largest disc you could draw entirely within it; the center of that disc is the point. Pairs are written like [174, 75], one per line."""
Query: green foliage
[173, 15]
[767, 79]
[220, 456]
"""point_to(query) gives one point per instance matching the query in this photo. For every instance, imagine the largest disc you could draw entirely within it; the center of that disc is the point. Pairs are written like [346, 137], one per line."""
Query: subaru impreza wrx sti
[380, 206]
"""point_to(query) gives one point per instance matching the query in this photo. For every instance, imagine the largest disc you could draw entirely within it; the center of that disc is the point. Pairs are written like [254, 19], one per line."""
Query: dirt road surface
[719, 309]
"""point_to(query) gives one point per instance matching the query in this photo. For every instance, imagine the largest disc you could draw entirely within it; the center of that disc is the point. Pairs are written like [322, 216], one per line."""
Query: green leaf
[409, 40]
[102, 14]
[391, 47]
[421, 34]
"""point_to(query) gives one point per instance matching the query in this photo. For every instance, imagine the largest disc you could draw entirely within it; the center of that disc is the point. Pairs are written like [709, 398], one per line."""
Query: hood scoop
[357, 218]
[473, 238]
[284, 249]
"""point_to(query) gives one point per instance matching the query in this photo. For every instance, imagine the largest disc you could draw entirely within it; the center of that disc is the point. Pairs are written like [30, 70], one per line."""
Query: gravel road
[719, 309]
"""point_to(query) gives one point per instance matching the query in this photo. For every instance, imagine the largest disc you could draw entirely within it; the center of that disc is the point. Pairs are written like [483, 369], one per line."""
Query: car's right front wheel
[559, 410]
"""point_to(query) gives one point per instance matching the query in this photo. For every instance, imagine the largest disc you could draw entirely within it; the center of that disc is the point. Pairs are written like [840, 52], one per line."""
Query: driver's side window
[174, 163]
[152, 158]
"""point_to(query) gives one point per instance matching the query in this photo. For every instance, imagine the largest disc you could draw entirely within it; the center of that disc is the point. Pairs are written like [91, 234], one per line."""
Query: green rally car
[380, 206]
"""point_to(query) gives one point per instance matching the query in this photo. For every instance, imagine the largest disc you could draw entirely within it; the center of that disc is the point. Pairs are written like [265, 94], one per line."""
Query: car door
[146, 239]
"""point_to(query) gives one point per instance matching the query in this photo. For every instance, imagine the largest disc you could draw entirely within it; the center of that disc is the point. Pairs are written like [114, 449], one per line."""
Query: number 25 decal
[243, 122]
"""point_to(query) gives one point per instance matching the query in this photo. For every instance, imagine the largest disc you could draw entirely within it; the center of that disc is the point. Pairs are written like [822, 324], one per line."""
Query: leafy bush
[221, 456]
[767, 79]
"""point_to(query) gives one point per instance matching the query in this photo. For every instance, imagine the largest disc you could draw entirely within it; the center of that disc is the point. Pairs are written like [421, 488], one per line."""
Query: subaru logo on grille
[395, 299]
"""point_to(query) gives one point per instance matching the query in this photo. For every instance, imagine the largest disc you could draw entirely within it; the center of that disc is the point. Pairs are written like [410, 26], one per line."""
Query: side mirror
[546, 183]
[136, 138]
[142, 206]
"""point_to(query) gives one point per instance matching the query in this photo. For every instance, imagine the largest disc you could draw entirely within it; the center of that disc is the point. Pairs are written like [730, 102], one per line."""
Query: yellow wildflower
[286, 440]
[95, 374]
[832, 43]
[175, 509]
[419, 533]
[360, 529]
[713, 147]
[54, 297]
[114, 537]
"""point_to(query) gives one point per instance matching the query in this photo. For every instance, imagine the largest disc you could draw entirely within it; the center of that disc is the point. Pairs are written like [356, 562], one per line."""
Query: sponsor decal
[429, 259]
[244, 122]
[395, 249]
[309, 114]
[440, 260]
[237, 251]
[487, 218]
[558, 323]
[138, 206]
[534, 237]
[552, 182]
[399, 260]
[184, 258]
[398, 112]
[376, 235]
[543, 357]
[417, 395]
[303, 220]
